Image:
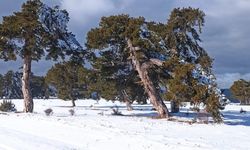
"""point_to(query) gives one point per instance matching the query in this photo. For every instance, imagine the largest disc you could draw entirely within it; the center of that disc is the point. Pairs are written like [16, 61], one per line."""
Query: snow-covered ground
[94, 128]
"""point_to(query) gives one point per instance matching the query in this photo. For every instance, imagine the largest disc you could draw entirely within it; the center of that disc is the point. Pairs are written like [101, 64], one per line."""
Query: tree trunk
[126, 100]
[149, 87]
[28, 100]
[73, 103]
[174, 107]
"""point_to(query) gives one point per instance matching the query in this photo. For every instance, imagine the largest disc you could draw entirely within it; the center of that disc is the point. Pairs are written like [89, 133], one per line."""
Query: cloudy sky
[226, 35]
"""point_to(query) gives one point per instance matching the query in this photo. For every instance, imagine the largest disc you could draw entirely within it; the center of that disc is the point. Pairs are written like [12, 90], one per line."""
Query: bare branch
[137, 48]
[156, 62]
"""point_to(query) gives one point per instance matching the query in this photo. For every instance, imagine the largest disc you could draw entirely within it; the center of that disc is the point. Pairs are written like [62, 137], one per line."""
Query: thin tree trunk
[28, 101]
[174, 107]
[126, 100]
[73, 103]
[149, 87]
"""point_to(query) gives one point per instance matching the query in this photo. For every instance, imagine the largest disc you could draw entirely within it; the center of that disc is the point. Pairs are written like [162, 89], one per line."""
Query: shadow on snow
[236, 118]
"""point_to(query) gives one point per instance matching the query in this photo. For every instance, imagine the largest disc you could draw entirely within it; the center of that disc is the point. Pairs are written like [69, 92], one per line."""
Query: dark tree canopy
[38, 86]
[70, 80]
[11, 82]
[11, 88]
[37, 30]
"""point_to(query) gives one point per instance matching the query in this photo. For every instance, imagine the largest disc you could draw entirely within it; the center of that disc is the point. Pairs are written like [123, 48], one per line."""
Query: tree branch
[156, 62]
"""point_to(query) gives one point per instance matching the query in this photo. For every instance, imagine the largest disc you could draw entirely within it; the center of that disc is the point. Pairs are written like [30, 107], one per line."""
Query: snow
[94, 128]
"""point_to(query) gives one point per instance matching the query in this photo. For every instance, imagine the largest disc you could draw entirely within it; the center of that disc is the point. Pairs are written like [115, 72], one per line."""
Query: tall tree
[123, 50]
[241, 91]
[127, 46]
[70, 80]
[36, 31]
[192, 77]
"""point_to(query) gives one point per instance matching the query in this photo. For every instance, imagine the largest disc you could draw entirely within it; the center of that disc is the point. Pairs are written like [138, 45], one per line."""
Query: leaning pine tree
[34, 32]
[192, 77]
[123, 48]
[125, 44]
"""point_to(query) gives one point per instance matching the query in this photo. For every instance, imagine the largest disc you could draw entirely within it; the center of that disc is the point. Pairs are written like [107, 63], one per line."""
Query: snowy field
[94, 128]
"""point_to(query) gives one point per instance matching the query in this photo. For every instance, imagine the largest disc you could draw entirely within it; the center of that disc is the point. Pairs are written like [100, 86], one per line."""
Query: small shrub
[101, 113]
[195, 108]
[7, 106]
[72, 112]
[48, 112]
[116, 111]
[242, 111]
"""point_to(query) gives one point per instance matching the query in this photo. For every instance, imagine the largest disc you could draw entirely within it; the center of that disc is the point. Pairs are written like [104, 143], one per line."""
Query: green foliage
[70, 80]
[12, 85]
[118, 88]
[113, 64]
[180, 86]
[39, 88]
[182, 35]
[213, 106]
[241, 91]
[23, 34]
[183, 87]
[177, 43]
[24, 29]
[7, 106]
[34, 32]
[104, 88]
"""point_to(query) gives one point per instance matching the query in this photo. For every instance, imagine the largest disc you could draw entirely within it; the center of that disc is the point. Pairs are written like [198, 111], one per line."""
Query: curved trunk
[148, 85]
[28, 101]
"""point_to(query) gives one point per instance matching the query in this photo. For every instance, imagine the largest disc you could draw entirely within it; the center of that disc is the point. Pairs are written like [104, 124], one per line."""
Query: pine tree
[70, 80]
[38, 86]
[241, 91]
[12, 85]
[156, 55]
[36, 31]
[124, 51]
[192, 78]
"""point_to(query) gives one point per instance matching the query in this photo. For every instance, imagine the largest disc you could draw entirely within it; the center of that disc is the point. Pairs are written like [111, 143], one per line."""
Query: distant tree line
[11, 82]
[62, 81]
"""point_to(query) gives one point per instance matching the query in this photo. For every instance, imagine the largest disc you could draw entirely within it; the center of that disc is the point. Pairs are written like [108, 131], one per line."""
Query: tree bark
[126, 100]
[149, 87]
[28, 100]
[174, 107]
[73, 103]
